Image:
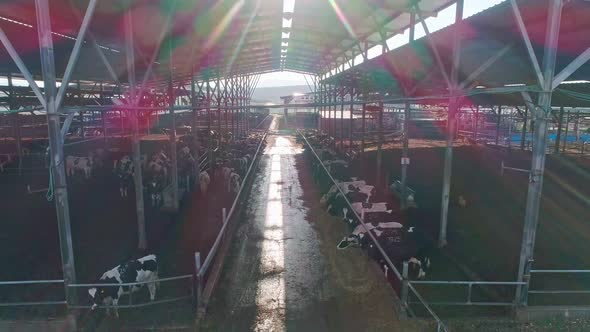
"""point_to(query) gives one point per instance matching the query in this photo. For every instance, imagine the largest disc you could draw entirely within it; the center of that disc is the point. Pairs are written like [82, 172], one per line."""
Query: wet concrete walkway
[283, 271]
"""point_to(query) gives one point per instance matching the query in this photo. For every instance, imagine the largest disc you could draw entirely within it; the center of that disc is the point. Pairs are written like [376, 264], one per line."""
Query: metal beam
[172, 140]
[437, 57]
[57, 168]
[21, 66]
[75, 52]
[533, 202]
[527, 42]
[571, 68]
[104, 59]
[484, 66]
[454, 105]
[136, 149]
[405, 160]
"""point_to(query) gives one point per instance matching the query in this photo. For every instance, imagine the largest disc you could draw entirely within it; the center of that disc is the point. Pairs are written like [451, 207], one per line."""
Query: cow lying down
[400, 245]
[363, 209]
[344, 186]
[359, 237]
[141, 270]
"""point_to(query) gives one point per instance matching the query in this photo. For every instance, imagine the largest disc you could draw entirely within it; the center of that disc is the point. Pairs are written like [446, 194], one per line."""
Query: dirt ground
[485, 236]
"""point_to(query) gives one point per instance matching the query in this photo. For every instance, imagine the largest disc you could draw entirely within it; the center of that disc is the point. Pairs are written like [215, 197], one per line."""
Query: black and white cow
[204, 181]
[240, 165]
[141, 270]
[235, 183]
[362, 208]
[337, 205]
[5, 160]
[83, 164]
[405, 248]
[376, 217]
[159, 163]
[338, 169]
[344, 186]
[359, 237]
[154, 185]
[124, 170]
[224, 174]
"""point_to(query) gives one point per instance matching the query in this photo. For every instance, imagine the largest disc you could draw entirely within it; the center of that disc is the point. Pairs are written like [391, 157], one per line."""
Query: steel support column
[209, 119]
[173, 155]
[559, 125]
[351, 127]
[315, 99]
[363, 127]
[194, 123]
[448, 164]
[541, 114]
[524, 125]
[379, 144]
[234, 112]
[219, 96]
[16, 123]
[451, 127]
[320, 98]
[135, 144]
[342, 118]
[405, 161]
[56, 149]
[405, 155]
[567, 127]
[498, 122]
[476, 124]
[333, 118]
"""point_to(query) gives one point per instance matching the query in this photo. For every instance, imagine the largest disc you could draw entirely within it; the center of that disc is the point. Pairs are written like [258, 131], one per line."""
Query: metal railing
[559, 291]
[440, 324]
[203, 268]
[31, 303]
[130, 294]
[262, 121]
[469, 297]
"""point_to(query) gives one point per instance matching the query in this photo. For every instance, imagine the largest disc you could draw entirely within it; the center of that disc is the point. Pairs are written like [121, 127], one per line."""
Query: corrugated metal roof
[229, 36]
[413, 67]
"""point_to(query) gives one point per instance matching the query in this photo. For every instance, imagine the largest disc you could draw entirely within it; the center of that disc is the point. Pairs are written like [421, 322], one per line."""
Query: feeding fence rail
[469, 296]
[203, 269]
[560, 278]
[189, 278]
[30, 283]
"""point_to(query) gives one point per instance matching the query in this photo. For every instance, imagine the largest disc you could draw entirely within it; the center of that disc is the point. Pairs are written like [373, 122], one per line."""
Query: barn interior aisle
[283, 271]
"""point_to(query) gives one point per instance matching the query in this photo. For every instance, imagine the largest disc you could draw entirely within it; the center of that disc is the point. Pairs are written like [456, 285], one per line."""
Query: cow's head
[324, 199]
[349, 241]
[417, 268]
[97, 296]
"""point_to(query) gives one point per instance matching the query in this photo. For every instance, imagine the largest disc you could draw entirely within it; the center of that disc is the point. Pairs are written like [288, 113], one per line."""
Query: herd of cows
[232, 156]
[95, 166]
[355, 202]
[231, 162]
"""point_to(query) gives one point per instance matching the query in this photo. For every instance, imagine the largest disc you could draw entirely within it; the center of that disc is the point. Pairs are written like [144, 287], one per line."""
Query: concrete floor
[283, 271]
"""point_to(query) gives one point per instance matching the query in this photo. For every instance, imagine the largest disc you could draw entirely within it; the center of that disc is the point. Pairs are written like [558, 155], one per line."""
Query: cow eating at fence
[235, 183]
[83, 164]
[4, 160]
[362, 208]
[124, 169]
[204, 181]
[359, 237]
[134, 271]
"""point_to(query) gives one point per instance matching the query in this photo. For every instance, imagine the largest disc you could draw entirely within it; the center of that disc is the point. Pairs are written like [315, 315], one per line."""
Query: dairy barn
[433, 176]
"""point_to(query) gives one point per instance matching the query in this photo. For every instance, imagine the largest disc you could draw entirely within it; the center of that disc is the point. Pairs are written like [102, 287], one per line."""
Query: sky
[443, 19]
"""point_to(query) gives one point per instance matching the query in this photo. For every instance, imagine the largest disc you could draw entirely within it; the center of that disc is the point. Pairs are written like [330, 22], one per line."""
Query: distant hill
[274, 94]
